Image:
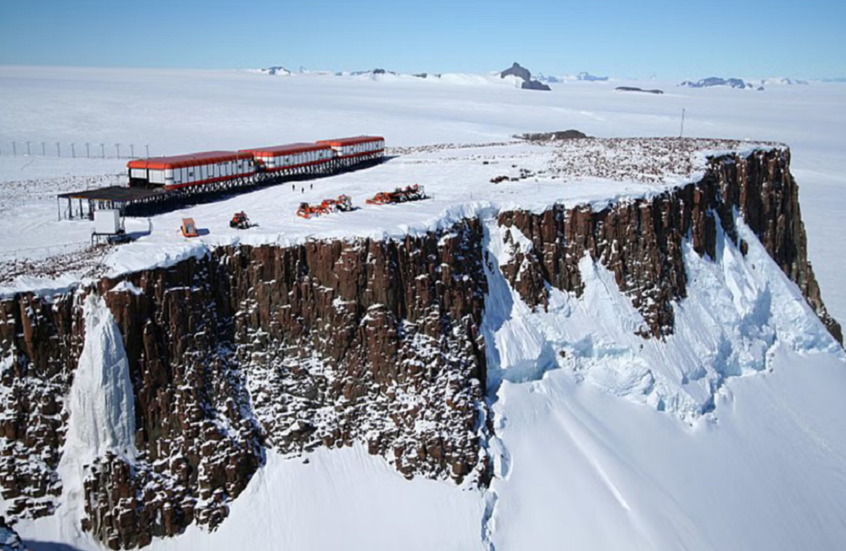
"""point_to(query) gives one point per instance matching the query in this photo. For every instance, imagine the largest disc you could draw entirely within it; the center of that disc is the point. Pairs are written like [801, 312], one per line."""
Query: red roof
[192, 159]
[340, 142]
[288, 149]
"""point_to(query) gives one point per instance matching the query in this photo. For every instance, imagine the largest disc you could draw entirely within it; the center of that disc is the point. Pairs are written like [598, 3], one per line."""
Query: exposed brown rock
[368, 339]
[641, 241]
[326, 343]
[40, 341]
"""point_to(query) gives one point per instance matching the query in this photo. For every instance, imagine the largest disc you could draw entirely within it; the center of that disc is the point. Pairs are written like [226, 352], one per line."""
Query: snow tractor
[240, 221]
[307, 211]
[342, 204]
[412, 192]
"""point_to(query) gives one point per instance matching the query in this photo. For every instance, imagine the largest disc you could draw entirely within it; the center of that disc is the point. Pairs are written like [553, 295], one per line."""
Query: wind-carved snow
[736, 310]
[101, 406]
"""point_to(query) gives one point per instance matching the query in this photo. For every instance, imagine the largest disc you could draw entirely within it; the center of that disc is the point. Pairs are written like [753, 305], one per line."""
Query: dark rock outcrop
[275, 70]
[636, 89]
[716, 81]
[535, 85]
[322, 344]
[641, 241]
[557, 136]
[523, 73]
[40, 342]
[363, 342]
[517, 71]
[373, 72]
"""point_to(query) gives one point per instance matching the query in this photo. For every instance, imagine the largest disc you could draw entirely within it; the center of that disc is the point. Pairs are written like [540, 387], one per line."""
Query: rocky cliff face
[641, 241]
[335, 343]
[40, 343]
[324, 344]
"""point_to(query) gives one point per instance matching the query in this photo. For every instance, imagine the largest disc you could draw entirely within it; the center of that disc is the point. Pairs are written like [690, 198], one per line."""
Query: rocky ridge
[716, 81]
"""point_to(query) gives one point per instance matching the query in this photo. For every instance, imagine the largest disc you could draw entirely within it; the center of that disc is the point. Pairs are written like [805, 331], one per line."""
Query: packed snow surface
[729, 434]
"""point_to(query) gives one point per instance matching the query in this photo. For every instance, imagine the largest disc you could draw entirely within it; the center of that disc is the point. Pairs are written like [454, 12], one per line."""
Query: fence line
[74, 150]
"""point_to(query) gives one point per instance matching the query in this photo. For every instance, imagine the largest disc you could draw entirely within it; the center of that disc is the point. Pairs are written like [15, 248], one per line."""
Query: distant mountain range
[276, 70]
[784, 80]
[583, 76]
[741, 84]
[540, 81]
[716, 81]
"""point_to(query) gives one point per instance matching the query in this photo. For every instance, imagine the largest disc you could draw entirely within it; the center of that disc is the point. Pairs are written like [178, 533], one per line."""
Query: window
[157, 177]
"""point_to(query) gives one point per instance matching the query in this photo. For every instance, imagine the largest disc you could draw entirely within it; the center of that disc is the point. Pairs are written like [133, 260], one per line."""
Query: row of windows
[300, 158]
[206, 172]
[362, 148]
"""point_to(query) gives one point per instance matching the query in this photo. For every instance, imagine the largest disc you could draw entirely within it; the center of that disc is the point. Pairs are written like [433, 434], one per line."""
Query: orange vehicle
[343, 204]
[381, 198]
[307, 211]
[189, 229]
[240, 221]
[411, 192]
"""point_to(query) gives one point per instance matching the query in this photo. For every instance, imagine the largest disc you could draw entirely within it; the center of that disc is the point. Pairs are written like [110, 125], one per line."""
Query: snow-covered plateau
[611, 343]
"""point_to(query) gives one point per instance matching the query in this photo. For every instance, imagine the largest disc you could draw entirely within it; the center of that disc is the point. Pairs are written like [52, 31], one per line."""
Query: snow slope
[589, 471]
[336, 499]
[727, 435]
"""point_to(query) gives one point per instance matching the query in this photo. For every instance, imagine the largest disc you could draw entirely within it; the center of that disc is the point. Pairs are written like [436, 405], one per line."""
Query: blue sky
[638, 39]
